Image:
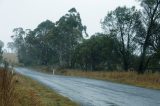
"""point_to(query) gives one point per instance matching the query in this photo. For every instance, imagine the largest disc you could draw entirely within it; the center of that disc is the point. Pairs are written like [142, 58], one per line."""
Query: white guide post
[53, 71]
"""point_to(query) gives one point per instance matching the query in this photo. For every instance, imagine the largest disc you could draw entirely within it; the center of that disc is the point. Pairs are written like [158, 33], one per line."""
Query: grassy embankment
[147, 80]
[23, 91]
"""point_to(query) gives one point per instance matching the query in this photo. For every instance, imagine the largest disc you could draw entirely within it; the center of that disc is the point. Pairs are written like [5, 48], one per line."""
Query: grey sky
[29, 13]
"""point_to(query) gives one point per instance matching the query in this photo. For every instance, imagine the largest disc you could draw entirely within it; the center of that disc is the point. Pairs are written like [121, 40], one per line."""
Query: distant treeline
[131, 40]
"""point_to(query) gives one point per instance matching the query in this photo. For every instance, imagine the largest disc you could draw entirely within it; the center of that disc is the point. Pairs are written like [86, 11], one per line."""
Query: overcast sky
[29, 13]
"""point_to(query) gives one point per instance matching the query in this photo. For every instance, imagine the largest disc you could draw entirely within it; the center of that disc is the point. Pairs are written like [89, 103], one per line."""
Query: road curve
[89, 92]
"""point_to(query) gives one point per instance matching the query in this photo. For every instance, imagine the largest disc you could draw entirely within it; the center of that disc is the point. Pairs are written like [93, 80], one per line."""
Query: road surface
[89, 92]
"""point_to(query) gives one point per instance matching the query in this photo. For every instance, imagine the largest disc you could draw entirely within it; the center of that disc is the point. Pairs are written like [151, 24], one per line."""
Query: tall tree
[50, 43]
[70, 32]
[37, 39]
[151, 17]
[1, 51]
[19, 42]
[11, 46]
[120, 24]
[154, 61]
[96, 53]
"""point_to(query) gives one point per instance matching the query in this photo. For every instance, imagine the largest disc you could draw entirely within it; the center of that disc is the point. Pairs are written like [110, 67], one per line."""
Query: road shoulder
[32, 93]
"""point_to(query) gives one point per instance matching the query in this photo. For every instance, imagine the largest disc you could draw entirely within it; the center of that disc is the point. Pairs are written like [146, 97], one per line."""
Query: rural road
[89, 92]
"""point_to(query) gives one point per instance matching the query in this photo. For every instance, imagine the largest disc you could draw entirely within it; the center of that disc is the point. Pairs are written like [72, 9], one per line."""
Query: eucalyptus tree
[19, 42]
[154, 46]
[97, 53]
[70, 32]
[50, 43]
[11, 46]
[120, 24]
[1, 51]
[37, 40]
[148, 31]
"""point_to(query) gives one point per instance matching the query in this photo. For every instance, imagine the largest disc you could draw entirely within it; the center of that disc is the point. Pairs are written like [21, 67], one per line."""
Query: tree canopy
[130, 40]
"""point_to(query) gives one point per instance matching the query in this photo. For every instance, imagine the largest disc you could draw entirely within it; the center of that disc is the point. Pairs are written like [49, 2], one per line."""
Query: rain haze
[80, 52]
[29, 13]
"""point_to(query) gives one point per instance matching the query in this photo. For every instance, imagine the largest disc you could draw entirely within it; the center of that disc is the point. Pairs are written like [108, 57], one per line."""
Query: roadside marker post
[53, 71]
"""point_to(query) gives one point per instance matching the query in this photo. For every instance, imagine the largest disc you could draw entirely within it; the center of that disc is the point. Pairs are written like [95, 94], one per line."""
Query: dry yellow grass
[17, 90]
[32, 93]
[148, 79]
[7, 91]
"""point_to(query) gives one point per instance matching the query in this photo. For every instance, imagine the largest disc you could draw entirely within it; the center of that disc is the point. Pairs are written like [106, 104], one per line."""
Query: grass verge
[147, 80]
[18, 90]
[7, 88]
[32, 93]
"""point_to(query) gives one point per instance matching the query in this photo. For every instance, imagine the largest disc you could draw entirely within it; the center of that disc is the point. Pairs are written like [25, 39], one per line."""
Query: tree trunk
[141, 68]
[60, 59]
[152, 19]
[125, 65]
[141, 65]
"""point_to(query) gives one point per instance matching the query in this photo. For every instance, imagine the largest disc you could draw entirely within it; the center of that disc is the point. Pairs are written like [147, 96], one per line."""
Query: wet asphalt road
[89, 92]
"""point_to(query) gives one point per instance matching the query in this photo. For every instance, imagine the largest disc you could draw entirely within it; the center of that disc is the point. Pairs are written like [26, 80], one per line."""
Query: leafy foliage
[150, 25]
[121, 24]
[131, 40]
[97, 53]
